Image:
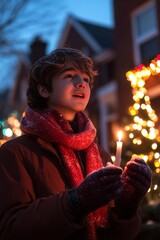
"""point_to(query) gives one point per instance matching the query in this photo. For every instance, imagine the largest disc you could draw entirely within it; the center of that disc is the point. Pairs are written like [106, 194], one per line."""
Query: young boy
[54, 183]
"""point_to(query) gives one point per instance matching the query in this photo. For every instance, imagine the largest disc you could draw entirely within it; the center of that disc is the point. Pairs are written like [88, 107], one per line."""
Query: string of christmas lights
[142, 131]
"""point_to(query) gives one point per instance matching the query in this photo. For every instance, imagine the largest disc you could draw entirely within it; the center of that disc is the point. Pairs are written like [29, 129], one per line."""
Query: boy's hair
[42, 72]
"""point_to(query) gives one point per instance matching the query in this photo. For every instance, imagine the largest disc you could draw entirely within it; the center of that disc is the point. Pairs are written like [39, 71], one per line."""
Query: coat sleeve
[22, 215]
[123, 229]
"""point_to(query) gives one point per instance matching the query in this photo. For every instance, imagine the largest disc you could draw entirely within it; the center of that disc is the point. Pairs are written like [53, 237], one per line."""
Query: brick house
[137, 40]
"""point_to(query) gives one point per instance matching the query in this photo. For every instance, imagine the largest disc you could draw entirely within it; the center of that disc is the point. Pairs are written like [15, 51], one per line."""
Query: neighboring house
[97, 42]
[17, 94]
[13, 100]
[137, 41]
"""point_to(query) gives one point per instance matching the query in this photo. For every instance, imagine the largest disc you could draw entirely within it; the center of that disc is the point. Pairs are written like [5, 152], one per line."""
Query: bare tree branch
[21, 18]
[20, 22]
[9, 11]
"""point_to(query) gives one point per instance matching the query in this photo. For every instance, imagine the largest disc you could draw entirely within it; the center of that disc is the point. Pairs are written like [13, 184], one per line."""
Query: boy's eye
[87, 80]
[68, 76]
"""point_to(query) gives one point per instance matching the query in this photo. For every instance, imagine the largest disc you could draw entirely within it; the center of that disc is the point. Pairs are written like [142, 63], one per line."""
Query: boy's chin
[80, 109]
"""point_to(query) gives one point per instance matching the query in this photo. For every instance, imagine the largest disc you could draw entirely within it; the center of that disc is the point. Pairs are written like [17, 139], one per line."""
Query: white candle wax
[118, 149]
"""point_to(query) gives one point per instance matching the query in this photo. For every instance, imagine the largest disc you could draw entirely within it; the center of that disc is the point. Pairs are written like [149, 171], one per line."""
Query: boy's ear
[43, 91]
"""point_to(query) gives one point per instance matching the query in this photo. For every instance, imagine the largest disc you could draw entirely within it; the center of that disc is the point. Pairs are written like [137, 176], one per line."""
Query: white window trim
[106, 96]
[138, 41]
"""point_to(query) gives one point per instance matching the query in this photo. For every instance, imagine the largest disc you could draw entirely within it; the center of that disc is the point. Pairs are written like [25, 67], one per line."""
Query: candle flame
[120, 136]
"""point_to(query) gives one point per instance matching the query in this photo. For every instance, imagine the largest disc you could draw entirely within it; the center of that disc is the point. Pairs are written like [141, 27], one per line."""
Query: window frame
[139, 40]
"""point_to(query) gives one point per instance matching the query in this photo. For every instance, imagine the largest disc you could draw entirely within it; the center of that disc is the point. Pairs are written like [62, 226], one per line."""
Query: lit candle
[118, 149]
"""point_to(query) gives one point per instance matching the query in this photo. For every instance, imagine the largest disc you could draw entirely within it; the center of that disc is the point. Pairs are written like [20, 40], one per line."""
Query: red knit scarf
[52, 127]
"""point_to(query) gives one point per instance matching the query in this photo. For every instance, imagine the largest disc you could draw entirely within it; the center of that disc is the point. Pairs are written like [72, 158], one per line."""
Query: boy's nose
[79, 82]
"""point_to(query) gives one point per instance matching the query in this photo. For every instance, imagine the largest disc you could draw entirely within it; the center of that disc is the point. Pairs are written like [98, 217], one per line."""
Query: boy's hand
[97, 189]
[136, 179]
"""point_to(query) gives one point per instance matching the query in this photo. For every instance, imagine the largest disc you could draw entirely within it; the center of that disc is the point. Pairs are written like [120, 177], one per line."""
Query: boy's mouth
[79, 95]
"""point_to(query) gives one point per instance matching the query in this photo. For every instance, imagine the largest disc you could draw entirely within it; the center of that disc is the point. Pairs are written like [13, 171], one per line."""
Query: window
[145, 33]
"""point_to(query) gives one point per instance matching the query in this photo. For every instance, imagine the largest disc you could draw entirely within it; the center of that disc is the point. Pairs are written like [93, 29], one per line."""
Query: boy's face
[70, 92]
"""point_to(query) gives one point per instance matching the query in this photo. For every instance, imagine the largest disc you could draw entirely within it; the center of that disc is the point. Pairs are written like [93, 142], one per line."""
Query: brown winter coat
[33, 201]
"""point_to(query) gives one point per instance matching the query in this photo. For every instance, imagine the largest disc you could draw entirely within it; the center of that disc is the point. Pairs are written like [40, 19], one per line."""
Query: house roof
[97, 36]
[103, 35]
